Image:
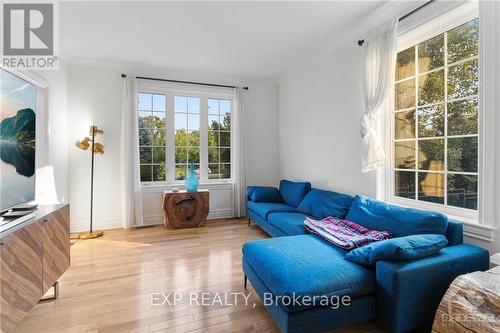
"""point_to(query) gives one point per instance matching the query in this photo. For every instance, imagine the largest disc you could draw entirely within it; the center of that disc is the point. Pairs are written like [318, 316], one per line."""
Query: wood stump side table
[185, 209]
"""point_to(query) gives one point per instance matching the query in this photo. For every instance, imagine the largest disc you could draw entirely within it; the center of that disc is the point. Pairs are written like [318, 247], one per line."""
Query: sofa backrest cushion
[455, 233]
[399, 221]
[292, 193]
[321, 204]
[266, 194]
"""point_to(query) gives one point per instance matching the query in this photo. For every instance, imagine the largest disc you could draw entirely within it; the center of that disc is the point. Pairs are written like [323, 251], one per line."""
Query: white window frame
[437, 26]
[170, 90]
[231, 144]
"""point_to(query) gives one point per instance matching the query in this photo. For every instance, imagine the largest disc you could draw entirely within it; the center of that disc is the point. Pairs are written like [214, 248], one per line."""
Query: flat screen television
[17, 140]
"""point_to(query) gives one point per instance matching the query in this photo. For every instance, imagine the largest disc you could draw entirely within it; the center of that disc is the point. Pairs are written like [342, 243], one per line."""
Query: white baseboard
[152, 219]
[220, 213]
[213, 214]
[79, 226]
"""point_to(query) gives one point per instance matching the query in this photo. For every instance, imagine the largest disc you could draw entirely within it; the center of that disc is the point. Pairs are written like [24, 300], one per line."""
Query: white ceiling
[257, 39]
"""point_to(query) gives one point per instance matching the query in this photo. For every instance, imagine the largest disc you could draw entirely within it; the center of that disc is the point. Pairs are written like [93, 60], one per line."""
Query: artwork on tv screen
[17, 140]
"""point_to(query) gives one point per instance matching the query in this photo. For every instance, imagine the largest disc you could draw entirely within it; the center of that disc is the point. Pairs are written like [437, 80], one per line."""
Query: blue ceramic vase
[192, 181]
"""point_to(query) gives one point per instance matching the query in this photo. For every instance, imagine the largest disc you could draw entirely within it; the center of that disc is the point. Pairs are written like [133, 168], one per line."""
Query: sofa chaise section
[305, 266]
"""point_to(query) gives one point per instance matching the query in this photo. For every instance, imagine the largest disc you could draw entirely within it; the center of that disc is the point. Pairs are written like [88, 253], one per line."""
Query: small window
[187, 135]
[435, 119]
[219, 138]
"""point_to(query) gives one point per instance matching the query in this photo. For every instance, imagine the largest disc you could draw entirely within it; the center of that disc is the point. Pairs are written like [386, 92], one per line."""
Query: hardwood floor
[109, 286]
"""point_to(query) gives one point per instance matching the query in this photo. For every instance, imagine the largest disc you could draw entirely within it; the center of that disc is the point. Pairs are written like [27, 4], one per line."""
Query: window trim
[231, 142]
[427, 30]
[438, 25]
[487, 114]
[170, 90]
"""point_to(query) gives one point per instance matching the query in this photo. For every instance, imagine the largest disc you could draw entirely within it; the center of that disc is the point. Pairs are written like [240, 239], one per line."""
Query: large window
[177, 128]
[435, 119]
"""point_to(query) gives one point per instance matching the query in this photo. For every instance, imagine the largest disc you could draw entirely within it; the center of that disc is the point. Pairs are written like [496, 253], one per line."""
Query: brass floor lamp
[95, 148]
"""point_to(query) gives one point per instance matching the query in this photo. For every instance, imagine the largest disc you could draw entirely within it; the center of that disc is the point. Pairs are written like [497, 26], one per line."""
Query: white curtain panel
[380, 45]
[239, 172]
[130, 172]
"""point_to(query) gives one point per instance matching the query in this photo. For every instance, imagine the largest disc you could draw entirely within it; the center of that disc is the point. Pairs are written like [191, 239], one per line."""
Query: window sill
[153, 188]
[454, 213]
[472, 228]
[479, 231]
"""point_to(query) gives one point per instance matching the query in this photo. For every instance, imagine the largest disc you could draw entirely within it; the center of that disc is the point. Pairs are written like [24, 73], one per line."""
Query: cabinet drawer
[56, 255]
[20, 274]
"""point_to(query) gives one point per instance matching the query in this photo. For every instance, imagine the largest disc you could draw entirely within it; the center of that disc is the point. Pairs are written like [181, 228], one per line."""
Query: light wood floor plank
[108, 287]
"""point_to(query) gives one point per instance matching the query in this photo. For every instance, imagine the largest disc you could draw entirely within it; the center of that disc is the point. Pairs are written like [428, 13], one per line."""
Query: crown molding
[334, 40]
[63, 54]
[351, 35]
[135, 69]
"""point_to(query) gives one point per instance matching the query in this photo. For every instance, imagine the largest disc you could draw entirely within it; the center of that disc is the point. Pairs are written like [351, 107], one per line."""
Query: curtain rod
[362, 41]
[185, 82]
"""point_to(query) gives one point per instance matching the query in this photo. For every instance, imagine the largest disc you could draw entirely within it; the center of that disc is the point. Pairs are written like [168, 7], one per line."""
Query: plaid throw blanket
[344, 234]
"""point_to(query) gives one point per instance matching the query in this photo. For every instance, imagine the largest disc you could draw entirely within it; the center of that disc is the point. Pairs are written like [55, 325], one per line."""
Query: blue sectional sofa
[402, 295]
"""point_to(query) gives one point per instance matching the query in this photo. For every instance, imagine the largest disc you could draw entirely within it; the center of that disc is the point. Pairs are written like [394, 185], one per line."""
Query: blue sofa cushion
[399, 221]
[289, 223]
[321, 204]
[292, 193]
[263, 209]
[251, 189]
[398, 249]
[305, 265]
[266, 194]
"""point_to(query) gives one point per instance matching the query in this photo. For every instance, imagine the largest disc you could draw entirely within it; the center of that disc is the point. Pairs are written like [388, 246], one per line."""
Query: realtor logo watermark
[30, 35]
[477, 318]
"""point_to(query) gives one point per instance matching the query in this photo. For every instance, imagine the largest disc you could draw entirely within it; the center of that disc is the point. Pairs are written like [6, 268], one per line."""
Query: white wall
[94, 96]
[320, 106]
[261, 119]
